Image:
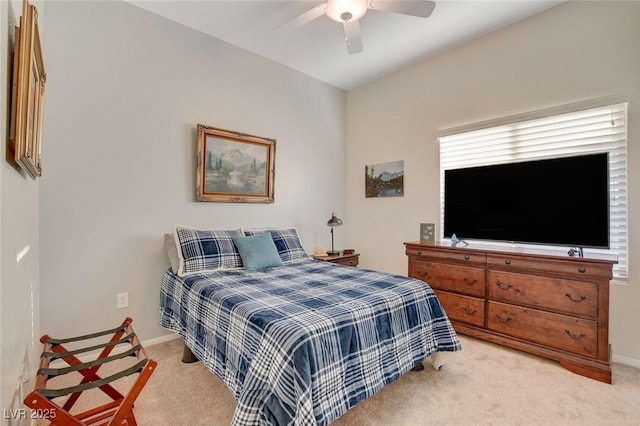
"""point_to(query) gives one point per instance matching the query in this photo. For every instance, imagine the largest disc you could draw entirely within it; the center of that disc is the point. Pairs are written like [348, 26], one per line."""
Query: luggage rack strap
[50, 372]
[54, 393]
[121, 327]
[54, 355]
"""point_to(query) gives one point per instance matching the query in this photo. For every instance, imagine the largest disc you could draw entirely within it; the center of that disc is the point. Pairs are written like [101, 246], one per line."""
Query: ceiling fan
[349, 12]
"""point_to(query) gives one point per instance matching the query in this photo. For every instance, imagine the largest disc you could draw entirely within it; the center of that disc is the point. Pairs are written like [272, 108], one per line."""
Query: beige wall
[125, 91]
[19, 234]
[574, 52]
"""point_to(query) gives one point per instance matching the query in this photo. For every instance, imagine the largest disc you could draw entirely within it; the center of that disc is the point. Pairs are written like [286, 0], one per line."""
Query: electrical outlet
[122, 300]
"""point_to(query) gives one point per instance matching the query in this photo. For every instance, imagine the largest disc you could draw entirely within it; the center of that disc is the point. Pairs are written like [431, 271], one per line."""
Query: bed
[302, 341]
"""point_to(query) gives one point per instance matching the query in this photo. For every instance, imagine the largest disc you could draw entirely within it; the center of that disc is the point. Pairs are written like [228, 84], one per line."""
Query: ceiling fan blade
[305, 17]
[352, 37]
[420, 8]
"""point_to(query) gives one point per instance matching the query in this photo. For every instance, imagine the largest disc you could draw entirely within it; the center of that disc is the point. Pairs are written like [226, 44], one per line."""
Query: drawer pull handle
[470, 282]
[582, 269]
[507, 262]
[501, 287]
[419, 252]
[575, 336]
[466, 257]
[469, 311]
[507, 319]
[575, 300]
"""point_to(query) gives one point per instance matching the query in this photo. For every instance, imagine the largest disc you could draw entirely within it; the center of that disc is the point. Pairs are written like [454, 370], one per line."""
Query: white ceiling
[391, 41]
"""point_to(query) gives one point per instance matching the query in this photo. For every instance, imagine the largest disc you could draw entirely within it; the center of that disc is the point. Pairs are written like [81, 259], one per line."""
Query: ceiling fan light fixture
[346, 10]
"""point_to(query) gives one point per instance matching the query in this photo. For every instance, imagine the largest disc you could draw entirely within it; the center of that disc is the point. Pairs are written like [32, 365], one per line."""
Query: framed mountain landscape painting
[234, 167]
[384, 179]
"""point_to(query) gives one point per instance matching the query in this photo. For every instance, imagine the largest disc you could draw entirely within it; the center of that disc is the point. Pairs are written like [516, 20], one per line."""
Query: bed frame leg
[438, 359]
[418, 367]
[187, 356]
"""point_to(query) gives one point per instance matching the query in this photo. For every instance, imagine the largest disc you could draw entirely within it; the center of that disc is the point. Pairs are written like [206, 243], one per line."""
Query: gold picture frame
[27, 103]
[234, 167]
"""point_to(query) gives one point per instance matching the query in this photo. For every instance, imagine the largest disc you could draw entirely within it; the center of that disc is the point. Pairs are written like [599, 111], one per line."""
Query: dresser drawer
[462, 308]
[444, 276]
[556, 294]
[565, 266]
[348, 261]
[448, 254]
[555, 330]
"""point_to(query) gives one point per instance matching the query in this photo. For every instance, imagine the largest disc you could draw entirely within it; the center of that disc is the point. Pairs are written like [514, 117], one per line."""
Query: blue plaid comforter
[302, 343]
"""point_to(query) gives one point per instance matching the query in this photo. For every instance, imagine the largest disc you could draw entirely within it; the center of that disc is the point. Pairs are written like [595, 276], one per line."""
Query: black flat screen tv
[560, 201]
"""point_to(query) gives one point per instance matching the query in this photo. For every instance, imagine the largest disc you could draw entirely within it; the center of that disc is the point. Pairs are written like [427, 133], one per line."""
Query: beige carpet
[484, 384]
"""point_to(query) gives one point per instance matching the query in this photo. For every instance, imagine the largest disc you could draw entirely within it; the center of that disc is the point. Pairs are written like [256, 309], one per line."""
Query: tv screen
[561, 201]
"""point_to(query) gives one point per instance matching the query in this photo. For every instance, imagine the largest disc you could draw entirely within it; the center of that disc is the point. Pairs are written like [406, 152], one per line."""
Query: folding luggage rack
[119, 411]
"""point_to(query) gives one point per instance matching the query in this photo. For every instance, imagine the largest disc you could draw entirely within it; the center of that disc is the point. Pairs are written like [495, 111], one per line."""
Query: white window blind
[587, 131]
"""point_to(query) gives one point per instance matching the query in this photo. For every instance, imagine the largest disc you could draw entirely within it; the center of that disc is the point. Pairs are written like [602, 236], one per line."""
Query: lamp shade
[334, 221]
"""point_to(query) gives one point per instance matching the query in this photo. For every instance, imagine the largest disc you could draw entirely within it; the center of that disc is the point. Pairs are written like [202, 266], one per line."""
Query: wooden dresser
[552, 306]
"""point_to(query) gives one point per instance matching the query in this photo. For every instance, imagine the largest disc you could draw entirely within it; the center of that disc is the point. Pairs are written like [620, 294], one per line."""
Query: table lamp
[332, 223]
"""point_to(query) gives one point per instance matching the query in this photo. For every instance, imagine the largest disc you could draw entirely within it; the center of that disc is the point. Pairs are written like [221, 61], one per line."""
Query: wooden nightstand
[342, 259]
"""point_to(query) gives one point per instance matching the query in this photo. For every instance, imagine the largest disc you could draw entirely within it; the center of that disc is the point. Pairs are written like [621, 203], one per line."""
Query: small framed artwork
[384, 179]
[234, 167]
[28, 94]
[427, 232]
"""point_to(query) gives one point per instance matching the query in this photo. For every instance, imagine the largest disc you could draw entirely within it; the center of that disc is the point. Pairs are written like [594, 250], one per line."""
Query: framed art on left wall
[234, 167]
[27, 100]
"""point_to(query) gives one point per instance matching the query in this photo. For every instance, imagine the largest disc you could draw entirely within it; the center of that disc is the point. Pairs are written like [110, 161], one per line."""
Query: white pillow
[172, 252]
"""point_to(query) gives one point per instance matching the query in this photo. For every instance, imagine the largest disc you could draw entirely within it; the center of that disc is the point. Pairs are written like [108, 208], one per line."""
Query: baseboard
[625, 361]
[161, 339]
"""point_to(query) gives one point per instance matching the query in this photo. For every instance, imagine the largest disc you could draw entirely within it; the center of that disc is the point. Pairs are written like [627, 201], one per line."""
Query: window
[547, 134]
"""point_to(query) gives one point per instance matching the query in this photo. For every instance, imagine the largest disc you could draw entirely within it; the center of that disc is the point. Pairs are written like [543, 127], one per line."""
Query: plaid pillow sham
[206, 250]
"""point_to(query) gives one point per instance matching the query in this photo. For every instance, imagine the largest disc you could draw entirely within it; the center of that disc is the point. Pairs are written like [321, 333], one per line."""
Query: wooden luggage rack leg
[117, 412]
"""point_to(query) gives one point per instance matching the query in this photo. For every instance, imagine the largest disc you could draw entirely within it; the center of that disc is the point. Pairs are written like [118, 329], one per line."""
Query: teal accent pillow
[257, 251]
[286, 240]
